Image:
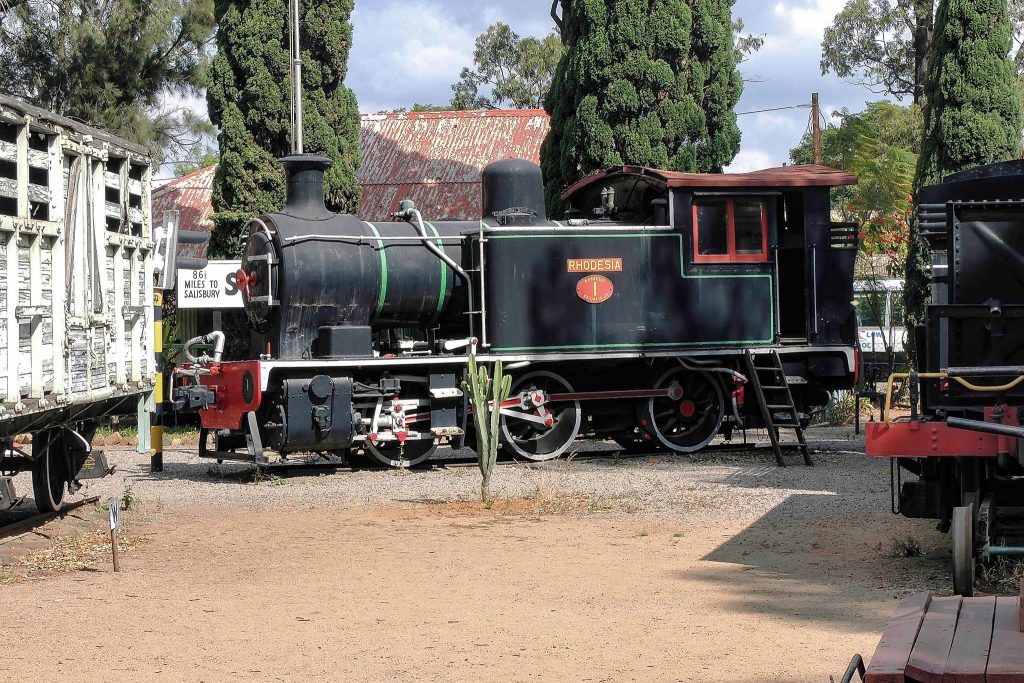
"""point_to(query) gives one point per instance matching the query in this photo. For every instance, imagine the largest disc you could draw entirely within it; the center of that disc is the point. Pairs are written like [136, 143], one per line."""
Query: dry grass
[77, 552]
[547, 499]
[900, 548]
[1002, 577]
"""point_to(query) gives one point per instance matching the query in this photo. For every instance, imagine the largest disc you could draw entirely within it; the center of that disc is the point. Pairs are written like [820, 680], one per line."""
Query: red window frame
[732, 256]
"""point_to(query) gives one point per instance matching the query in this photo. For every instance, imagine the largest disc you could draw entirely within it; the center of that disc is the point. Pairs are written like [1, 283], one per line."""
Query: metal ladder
[775, 400]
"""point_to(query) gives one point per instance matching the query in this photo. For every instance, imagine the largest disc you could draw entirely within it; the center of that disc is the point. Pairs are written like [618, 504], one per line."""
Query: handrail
[970, 386]
[856, 667]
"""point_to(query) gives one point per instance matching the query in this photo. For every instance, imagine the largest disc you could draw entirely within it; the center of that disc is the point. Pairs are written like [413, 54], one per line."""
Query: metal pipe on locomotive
[629, 324]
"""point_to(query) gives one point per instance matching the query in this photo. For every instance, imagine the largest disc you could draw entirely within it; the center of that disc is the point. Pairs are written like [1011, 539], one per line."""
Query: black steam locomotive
[962, 443]
[629, 320]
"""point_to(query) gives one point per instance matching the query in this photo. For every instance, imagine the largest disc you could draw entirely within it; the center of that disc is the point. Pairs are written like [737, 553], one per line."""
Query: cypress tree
[249, 100]
[646, 82]
[972, 111]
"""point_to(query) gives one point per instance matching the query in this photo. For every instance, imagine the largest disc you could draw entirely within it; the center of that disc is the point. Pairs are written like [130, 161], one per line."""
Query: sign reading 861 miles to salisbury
[214, 286]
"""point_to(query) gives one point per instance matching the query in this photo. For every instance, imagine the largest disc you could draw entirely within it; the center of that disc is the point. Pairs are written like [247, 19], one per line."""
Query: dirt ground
[720, 568]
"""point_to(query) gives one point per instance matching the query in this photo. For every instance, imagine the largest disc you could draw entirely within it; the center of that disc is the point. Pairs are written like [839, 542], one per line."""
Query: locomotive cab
[760, 248]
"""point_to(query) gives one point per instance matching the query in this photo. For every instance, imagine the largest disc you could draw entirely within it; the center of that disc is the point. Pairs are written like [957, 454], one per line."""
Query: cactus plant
[485, 396]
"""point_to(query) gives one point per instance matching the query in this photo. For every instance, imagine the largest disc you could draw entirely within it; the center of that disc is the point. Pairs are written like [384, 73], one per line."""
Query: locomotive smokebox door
[317, 414]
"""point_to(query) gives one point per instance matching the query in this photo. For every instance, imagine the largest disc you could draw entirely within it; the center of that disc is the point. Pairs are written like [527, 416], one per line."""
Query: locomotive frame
[363, 330]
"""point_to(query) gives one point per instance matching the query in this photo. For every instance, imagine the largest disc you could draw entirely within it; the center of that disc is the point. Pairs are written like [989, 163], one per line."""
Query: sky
[408, 51]
[411, 51]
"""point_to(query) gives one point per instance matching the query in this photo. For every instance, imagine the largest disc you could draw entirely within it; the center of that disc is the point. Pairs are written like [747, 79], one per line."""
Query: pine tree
[972, 111]
[111, 63]
[249, 99]
[647, 82]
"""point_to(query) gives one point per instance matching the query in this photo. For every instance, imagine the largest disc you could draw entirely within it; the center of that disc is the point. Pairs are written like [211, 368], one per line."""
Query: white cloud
[751, 160]
[808, 19]
[406, 52]
[780, 121]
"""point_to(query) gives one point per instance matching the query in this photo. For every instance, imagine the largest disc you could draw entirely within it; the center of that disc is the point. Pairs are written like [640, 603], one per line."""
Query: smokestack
[305, 197]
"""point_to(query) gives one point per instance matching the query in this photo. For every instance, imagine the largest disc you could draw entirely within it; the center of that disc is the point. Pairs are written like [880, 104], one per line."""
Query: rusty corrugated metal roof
[805, 175]
[191, 196]
[435, 158]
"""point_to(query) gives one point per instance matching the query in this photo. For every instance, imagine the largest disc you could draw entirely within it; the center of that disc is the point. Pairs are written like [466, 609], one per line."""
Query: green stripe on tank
[444, 276]
[383, 272]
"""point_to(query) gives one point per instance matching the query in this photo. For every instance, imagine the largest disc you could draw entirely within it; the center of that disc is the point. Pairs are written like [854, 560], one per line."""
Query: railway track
[298, 466]
[22, 527]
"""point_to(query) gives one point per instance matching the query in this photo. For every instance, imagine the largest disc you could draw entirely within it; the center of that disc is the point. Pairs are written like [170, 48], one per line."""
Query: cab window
[730, 231]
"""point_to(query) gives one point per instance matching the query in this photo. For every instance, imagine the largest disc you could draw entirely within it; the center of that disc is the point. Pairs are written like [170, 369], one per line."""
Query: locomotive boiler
[639, 318]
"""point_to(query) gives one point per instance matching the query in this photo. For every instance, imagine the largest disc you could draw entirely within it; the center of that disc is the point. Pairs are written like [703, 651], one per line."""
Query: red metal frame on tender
[733, 256]
[916, 439]
[229, 387]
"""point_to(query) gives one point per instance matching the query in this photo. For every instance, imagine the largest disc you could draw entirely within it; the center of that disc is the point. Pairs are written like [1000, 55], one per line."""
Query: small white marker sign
[115, 514]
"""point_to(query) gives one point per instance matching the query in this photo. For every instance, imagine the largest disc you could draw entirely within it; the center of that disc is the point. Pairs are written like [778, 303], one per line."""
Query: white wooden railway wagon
[76, 293]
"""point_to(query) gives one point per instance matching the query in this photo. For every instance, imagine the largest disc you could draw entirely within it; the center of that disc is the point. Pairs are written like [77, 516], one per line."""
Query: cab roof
[803, 175]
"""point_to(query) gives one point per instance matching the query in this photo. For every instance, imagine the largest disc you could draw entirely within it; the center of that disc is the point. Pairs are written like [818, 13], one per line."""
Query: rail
[21, 527]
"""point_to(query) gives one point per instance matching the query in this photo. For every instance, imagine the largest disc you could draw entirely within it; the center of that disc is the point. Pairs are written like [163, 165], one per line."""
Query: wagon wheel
[532, 439]
[49, 470]
[962, 533]
[690, 416]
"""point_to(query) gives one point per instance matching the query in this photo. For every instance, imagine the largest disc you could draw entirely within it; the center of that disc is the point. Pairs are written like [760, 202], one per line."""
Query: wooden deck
[951, 640]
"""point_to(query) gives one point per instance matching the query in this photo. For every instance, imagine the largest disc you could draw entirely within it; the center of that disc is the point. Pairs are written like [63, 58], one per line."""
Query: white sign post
[211, 287]
[114, 508]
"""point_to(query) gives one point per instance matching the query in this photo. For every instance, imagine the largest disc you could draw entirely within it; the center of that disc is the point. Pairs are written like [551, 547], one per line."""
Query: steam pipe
[411, 213]
[216, 338]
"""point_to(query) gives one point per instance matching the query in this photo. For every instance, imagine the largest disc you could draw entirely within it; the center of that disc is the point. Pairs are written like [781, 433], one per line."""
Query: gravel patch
[744, 482]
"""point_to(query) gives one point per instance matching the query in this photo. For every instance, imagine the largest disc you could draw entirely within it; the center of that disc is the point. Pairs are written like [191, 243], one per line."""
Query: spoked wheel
[690, 416]
[546, 432]
[420, 443]
[962, 532]
[49, 469]
[393, 454]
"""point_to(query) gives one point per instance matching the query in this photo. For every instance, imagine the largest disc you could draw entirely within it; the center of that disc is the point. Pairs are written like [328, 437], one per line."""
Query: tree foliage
[508, 71]
[111, 63]
[885, 44]
[249, 100]
[973, 110]
[199, 157]
[746, 44]
[880, 146]
[651, 83]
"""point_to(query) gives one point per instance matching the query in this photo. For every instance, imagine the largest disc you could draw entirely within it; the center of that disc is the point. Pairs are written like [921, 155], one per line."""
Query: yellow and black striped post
[156, 425]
